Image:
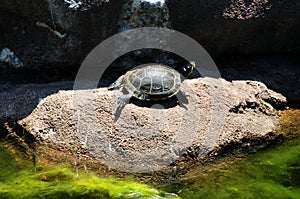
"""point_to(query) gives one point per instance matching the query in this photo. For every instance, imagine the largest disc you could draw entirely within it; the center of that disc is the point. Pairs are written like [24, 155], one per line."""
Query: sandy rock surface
[151, 136]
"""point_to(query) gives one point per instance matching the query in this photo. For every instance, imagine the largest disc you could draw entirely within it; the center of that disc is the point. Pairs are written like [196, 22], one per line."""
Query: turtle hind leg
[117, 84]
[140, 96]
[122, 101]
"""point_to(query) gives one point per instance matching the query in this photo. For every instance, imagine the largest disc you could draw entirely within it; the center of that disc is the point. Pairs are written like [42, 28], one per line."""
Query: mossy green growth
[8, 166]
[273, 172]
[64, 183]
[60, 182]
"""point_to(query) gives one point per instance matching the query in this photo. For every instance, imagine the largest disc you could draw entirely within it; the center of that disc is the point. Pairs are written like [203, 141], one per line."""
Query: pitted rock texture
[153, 136]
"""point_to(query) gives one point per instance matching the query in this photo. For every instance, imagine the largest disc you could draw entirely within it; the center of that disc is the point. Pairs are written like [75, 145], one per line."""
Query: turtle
[152, 82]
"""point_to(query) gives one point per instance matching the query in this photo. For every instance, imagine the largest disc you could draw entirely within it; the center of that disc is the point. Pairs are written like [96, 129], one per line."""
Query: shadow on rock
[159, 104]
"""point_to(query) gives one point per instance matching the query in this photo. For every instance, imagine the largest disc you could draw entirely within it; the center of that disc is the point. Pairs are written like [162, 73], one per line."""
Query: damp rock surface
[151, 136]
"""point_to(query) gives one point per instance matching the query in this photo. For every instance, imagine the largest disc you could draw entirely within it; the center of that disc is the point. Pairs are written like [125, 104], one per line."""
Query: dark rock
[50, 33]
[18, 101]
[238, 26]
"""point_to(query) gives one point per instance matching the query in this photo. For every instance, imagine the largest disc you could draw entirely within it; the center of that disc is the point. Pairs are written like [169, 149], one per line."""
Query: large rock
[151, 136]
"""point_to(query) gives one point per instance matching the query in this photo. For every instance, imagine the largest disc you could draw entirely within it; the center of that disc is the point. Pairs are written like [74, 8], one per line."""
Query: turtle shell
[152, 82]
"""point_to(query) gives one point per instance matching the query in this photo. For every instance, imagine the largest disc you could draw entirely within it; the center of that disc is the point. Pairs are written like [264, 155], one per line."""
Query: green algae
[64, 183]
[273, 172]
[8, 166]
[61, 181]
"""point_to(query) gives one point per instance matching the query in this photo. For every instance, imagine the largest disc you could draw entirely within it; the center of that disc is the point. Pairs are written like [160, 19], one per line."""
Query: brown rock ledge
[148, 137]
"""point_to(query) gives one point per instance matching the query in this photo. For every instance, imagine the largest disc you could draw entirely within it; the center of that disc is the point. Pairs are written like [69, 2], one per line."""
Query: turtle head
[188, 69]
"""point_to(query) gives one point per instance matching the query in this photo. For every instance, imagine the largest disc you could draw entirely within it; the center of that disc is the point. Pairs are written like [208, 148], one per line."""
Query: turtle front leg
[122, 101]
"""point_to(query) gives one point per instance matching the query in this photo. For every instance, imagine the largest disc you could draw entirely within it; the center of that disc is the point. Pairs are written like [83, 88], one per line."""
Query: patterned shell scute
[153, 81]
